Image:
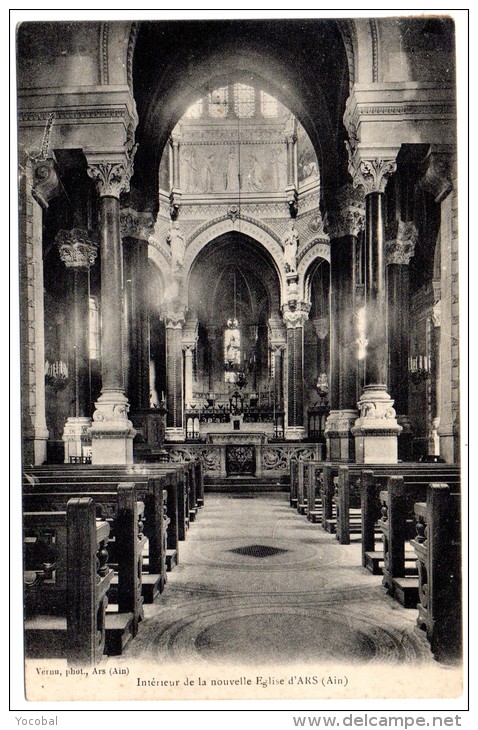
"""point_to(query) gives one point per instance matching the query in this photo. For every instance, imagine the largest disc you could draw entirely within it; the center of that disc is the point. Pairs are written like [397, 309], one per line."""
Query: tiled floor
[257, 583]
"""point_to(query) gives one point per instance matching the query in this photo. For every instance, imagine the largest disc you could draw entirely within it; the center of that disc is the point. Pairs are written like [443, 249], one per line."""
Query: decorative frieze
[78, 248]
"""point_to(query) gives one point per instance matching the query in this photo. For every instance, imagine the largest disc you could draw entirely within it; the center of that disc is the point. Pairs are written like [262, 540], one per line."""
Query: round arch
[250, 228]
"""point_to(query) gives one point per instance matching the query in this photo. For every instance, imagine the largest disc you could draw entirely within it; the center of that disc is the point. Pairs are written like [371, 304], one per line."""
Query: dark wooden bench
[313, 477]
[66, 581]
[150, 490]
[437, 545]
[398, 529]
[124, 515]
[371, 483]
[294, 475]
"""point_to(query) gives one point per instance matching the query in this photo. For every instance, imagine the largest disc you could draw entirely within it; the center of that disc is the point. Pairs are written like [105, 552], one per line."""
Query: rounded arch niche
[233, 290]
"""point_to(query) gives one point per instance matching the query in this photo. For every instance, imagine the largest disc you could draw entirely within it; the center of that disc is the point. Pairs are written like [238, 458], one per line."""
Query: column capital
[372, 174]
[437, 178]
[174, 319]
[78, 248]
[401, 249]
[136, 224]
[45, 180]
[112, 171]
[297, 316]
[347, 218]
[174, 140]
[321, 326]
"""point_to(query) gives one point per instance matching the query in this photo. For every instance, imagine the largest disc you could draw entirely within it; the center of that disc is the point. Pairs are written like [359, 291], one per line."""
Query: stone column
[294, 318]
[112, 432]
[434, 439]
[399, 251]
[136, 227]
[38, 185]
[189, 342]
[376, 430]
[78, 249]
[174, 376]
[344, 226]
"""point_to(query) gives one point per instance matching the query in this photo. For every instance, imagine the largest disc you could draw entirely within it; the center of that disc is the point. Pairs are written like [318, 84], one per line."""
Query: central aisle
[258, 584]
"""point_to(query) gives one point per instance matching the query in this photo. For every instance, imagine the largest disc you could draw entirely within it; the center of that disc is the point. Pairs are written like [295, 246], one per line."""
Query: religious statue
[256, 179]
[190, 169]
[290, 250]
[232, 173]
[178, 247]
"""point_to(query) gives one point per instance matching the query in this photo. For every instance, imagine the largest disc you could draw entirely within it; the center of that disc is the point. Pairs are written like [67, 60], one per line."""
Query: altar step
[246, 484]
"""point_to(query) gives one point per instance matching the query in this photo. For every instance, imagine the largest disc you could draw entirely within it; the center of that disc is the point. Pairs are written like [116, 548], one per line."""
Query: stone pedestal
[376, 429]
[340, 442]
[77, 437]
[112, 433]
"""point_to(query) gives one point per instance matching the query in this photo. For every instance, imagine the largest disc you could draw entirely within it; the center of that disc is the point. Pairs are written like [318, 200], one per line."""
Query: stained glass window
[218, 102]
[244, 100]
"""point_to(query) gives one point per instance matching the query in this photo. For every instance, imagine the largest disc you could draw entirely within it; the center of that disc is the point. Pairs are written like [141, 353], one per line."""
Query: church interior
[238, 250]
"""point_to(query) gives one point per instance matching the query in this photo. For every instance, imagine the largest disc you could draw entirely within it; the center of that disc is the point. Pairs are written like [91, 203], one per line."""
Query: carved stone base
[112, 433]
[340, 442]
[294, 433]
[77, 437]
[376, 429]
[174, 434]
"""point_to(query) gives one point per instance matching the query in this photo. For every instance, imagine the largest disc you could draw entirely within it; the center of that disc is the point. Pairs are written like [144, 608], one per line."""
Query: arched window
[218, 102]
[244, 100]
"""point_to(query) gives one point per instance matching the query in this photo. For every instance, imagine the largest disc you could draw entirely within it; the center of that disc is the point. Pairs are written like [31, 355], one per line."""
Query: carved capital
[78, 248]
[111, 406]
[112, 174]
[174, 320]
[321, 326]
[136, 224]
[401, 249]
[45, 181]
[437, 178]
[295, 316]
[372, 174]
[348, 215]
[174, 203]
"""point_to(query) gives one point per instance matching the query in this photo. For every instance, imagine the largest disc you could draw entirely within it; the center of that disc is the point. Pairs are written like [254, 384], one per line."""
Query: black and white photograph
[240, 258]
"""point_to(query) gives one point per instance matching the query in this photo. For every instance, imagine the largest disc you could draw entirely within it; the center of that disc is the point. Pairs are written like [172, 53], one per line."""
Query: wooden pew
[397, 526]
[302, 470]
[124, 514]
[437, 546]
[150, 490]
[294, 476]
[57, 490]
[66, 581]
[327, 496]
[313, 478]
[180, 474]
[371, 483]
